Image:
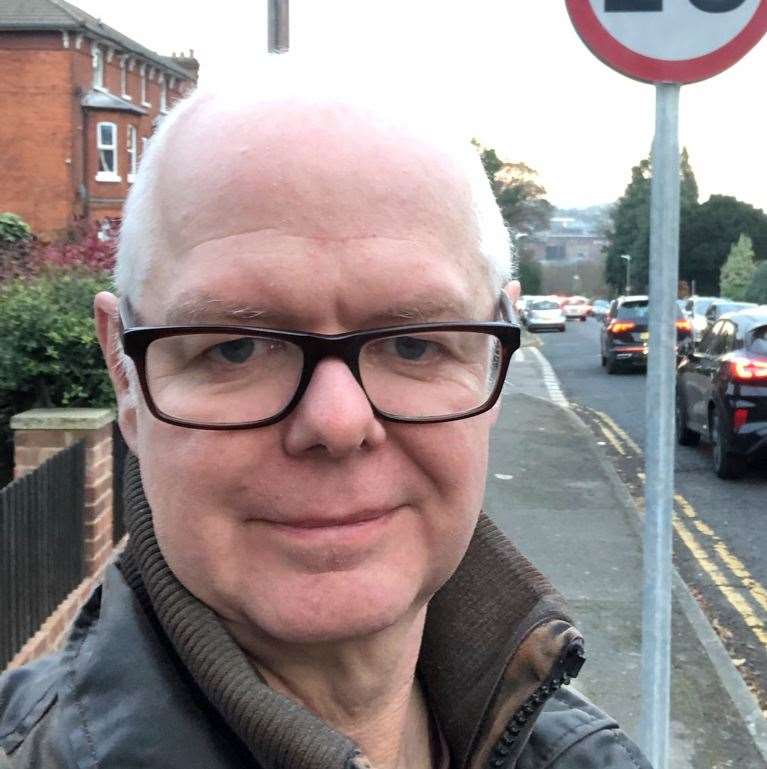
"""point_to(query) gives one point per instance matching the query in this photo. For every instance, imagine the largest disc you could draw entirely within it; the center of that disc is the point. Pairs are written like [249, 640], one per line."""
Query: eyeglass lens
[221, 379]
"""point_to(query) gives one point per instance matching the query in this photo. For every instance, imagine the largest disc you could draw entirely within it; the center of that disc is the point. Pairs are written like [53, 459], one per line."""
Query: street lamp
[628, 271]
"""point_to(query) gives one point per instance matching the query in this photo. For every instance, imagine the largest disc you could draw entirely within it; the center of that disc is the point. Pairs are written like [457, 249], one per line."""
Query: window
[98, 67]
[132, 153]
[106, 144]
[143, 86]
[163, 94]
[124, 79]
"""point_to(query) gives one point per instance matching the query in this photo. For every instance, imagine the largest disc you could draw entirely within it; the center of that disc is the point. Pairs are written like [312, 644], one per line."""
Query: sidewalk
[555, 493]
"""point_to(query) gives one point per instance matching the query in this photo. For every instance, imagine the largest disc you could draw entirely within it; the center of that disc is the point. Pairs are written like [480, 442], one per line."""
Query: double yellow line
[731, 578]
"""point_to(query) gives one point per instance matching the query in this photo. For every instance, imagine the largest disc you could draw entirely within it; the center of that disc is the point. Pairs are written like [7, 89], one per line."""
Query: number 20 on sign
[669, 41]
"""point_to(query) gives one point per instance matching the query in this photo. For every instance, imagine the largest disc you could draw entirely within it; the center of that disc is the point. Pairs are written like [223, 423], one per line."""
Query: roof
[55, 15]
[102, 100]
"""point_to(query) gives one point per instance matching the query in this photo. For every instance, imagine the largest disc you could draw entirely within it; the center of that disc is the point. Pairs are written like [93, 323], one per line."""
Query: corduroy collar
[476, 626]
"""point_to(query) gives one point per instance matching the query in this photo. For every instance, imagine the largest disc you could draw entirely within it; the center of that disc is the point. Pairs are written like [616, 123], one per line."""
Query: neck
[364, 688]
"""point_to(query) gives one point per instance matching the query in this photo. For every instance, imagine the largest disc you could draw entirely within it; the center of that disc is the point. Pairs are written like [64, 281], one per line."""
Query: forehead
[321, 197]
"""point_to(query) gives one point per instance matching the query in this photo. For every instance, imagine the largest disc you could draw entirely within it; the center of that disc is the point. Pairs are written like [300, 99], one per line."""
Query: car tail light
[749, 369]
[684, 325]
[739, 418]
[621, 326]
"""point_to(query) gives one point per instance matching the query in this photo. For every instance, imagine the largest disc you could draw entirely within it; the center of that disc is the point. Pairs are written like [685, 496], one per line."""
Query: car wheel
[684, 436]
[564, 328]
[583, 318]
[611, 364]
[726, 464]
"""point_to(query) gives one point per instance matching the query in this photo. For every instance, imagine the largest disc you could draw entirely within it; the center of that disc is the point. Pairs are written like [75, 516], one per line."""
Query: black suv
[624, 334]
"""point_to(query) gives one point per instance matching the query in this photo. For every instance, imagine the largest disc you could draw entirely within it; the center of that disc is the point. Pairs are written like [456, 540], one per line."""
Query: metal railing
[41, 545]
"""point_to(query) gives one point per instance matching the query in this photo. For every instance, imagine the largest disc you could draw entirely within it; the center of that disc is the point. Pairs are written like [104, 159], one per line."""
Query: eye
[235, 351]
[410, 347]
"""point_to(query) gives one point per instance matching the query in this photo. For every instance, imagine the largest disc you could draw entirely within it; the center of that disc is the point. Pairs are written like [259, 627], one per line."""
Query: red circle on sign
[616, 55]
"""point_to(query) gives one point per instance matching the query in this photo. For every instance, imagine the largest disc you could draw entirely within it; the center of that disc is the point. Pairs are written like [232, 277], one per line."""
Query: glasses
[238, 377]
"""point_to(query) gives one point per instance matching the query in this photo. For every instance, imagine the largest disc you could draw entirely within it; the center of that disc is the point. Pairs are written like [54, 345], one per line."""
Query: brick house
[78, 101]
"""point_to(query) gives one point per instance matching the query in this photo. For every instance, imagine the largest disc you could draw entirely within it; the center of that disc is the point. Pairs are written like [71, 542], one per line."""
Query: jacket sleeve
[608, 748]
[573, 733]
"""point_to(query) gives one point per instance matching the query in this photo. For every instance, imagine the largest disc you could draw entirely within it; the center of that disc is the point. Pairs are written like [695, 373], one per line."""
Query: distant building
[567, 241]
[78, 102]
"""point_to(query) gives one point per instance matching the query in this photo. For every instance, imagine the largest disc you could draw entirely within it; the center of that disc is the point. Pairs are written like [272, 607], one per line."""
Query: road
[720, 526]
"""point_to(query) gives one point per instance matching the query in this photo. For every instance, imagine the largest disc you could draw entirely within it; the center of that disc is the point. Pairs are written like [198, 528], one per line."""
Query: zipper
[568, 667]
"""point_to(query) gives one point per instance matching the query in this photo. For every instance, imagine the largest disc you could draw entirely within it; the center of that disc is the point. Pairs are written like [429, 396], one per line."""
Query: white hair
[406, 107]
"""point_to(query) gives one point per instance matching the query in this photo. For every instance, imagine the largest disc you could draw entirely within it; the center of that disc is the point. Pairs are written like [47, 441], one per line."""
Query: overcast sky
[530, 87]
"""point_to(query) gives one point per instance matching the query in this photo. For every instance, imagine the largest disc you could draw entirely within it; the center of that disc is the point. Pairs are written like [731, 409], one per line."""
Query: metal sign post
[667, 43]
[279, 26]
[659, 452]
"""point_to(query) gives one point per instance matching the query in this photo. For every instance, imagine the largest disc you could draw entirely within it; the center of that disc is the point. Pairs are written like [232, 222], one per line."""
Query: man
[308, 581]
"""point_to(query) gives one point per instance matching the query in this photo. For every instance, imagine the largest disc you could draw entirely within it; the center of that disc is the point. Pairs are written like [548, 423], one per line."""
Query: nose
[334, 415]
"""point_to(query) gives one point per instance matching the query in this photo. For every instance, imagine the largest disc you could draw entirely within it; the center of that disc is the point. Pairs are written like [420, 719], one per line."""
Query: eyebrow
[203, 308]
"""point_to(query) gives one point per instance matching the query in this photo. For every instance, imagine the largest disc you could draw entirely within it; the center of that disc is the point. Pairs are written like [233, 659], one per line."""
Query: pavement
[554, 491]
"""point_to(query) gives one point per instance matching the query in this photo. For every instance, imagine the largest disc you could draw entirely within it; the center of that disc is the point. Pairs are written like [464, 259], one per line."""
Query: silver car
[545, 313]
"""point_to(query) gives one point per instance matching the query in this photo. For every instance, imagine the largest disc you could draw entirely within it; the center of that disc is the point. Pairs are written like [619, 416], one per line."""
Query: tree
[530, 274]
[519, 195]
[757, 291]
[738, 270]
[706, 239]
[630, 232]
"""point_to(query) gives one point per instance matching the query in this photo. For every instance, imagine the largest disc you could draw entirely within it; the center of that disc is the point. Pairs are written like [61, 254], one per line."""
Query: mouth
[328, 522]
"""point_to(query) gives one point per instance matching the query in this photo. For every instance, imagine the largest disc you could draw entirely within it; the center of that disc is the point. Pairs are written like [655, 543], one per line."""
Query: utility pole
[628, 272]
[278, 22]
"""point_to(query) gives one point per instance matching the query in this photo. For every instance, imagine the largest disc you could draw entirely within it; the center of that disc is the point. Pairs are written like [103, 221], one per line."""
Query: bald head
[316, 165]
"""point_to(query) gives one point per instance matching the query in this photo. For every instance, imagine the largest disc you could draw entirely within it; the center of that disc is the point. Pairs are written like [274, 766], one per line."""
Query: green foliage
[757, 290]
[530, 276]
[738, 270]
[706, 238]
[13, 228]
[517, 192]
[630, 233]
[49, 355]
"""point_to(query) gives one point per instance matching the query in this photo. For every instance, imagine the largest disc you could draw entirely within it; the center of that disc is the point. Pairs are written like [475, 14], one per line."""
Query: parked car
[720, 307]
[576, 308]
[545, 313]
[695, 308]
[625, 333]
[721, 391]
[524, 305]
[599, 308]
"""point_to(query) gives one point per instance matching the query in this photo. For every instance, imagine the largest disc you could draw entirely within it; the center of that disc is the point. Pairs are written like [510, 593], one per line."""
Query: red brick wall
[48, 141]
[35, 130]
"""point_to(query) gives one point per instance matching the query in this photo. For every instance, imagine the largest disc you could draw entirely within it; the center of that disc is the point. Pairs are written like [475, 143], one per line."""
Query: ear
[107, 329]
[513, 289]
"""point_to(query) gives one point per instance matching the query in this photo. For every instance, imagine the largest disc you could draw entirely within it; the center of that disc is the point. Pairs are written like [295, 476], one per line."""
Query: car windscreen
[636, 311]
[759, 341]
[548, 305]
[701, 305]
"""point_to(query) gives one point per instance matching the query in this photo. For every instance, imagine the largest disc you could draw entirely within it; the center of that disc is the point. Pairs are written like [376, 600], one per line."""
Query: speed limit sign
[669, 41]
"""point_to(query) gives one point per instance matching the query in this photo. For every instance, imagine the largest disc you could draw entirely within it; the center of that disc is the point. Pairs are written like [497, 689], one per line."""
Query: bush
[757, 291]
[13, 228]
[49, 355]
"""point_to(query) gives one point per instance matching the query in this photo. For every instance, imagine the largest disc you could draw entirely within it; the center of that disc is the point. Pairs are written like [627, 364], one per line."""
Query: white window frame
[113, 175]
[124, 80]
[143, 72]
[97, 58]
[132, 147]
[163, 94]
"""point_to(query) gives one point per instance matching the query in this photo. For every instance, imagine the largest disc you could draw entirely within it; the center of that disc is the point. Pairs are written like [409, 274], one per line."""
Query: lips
[324, 522]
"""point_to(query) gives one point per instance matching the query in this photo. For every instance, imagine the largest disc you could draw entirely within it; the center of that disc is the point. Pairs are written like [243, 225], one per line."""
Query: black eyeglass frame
[315, 347]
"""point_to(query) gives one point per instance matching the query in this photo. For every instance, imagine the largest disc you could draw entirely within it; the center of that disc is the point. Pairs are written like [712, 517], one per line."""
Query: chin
[333, 613]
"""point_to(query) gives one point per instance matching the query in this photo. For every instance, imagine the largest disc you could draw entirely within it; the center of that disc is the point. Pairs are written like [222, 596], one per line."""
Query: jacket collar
[494, 633]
